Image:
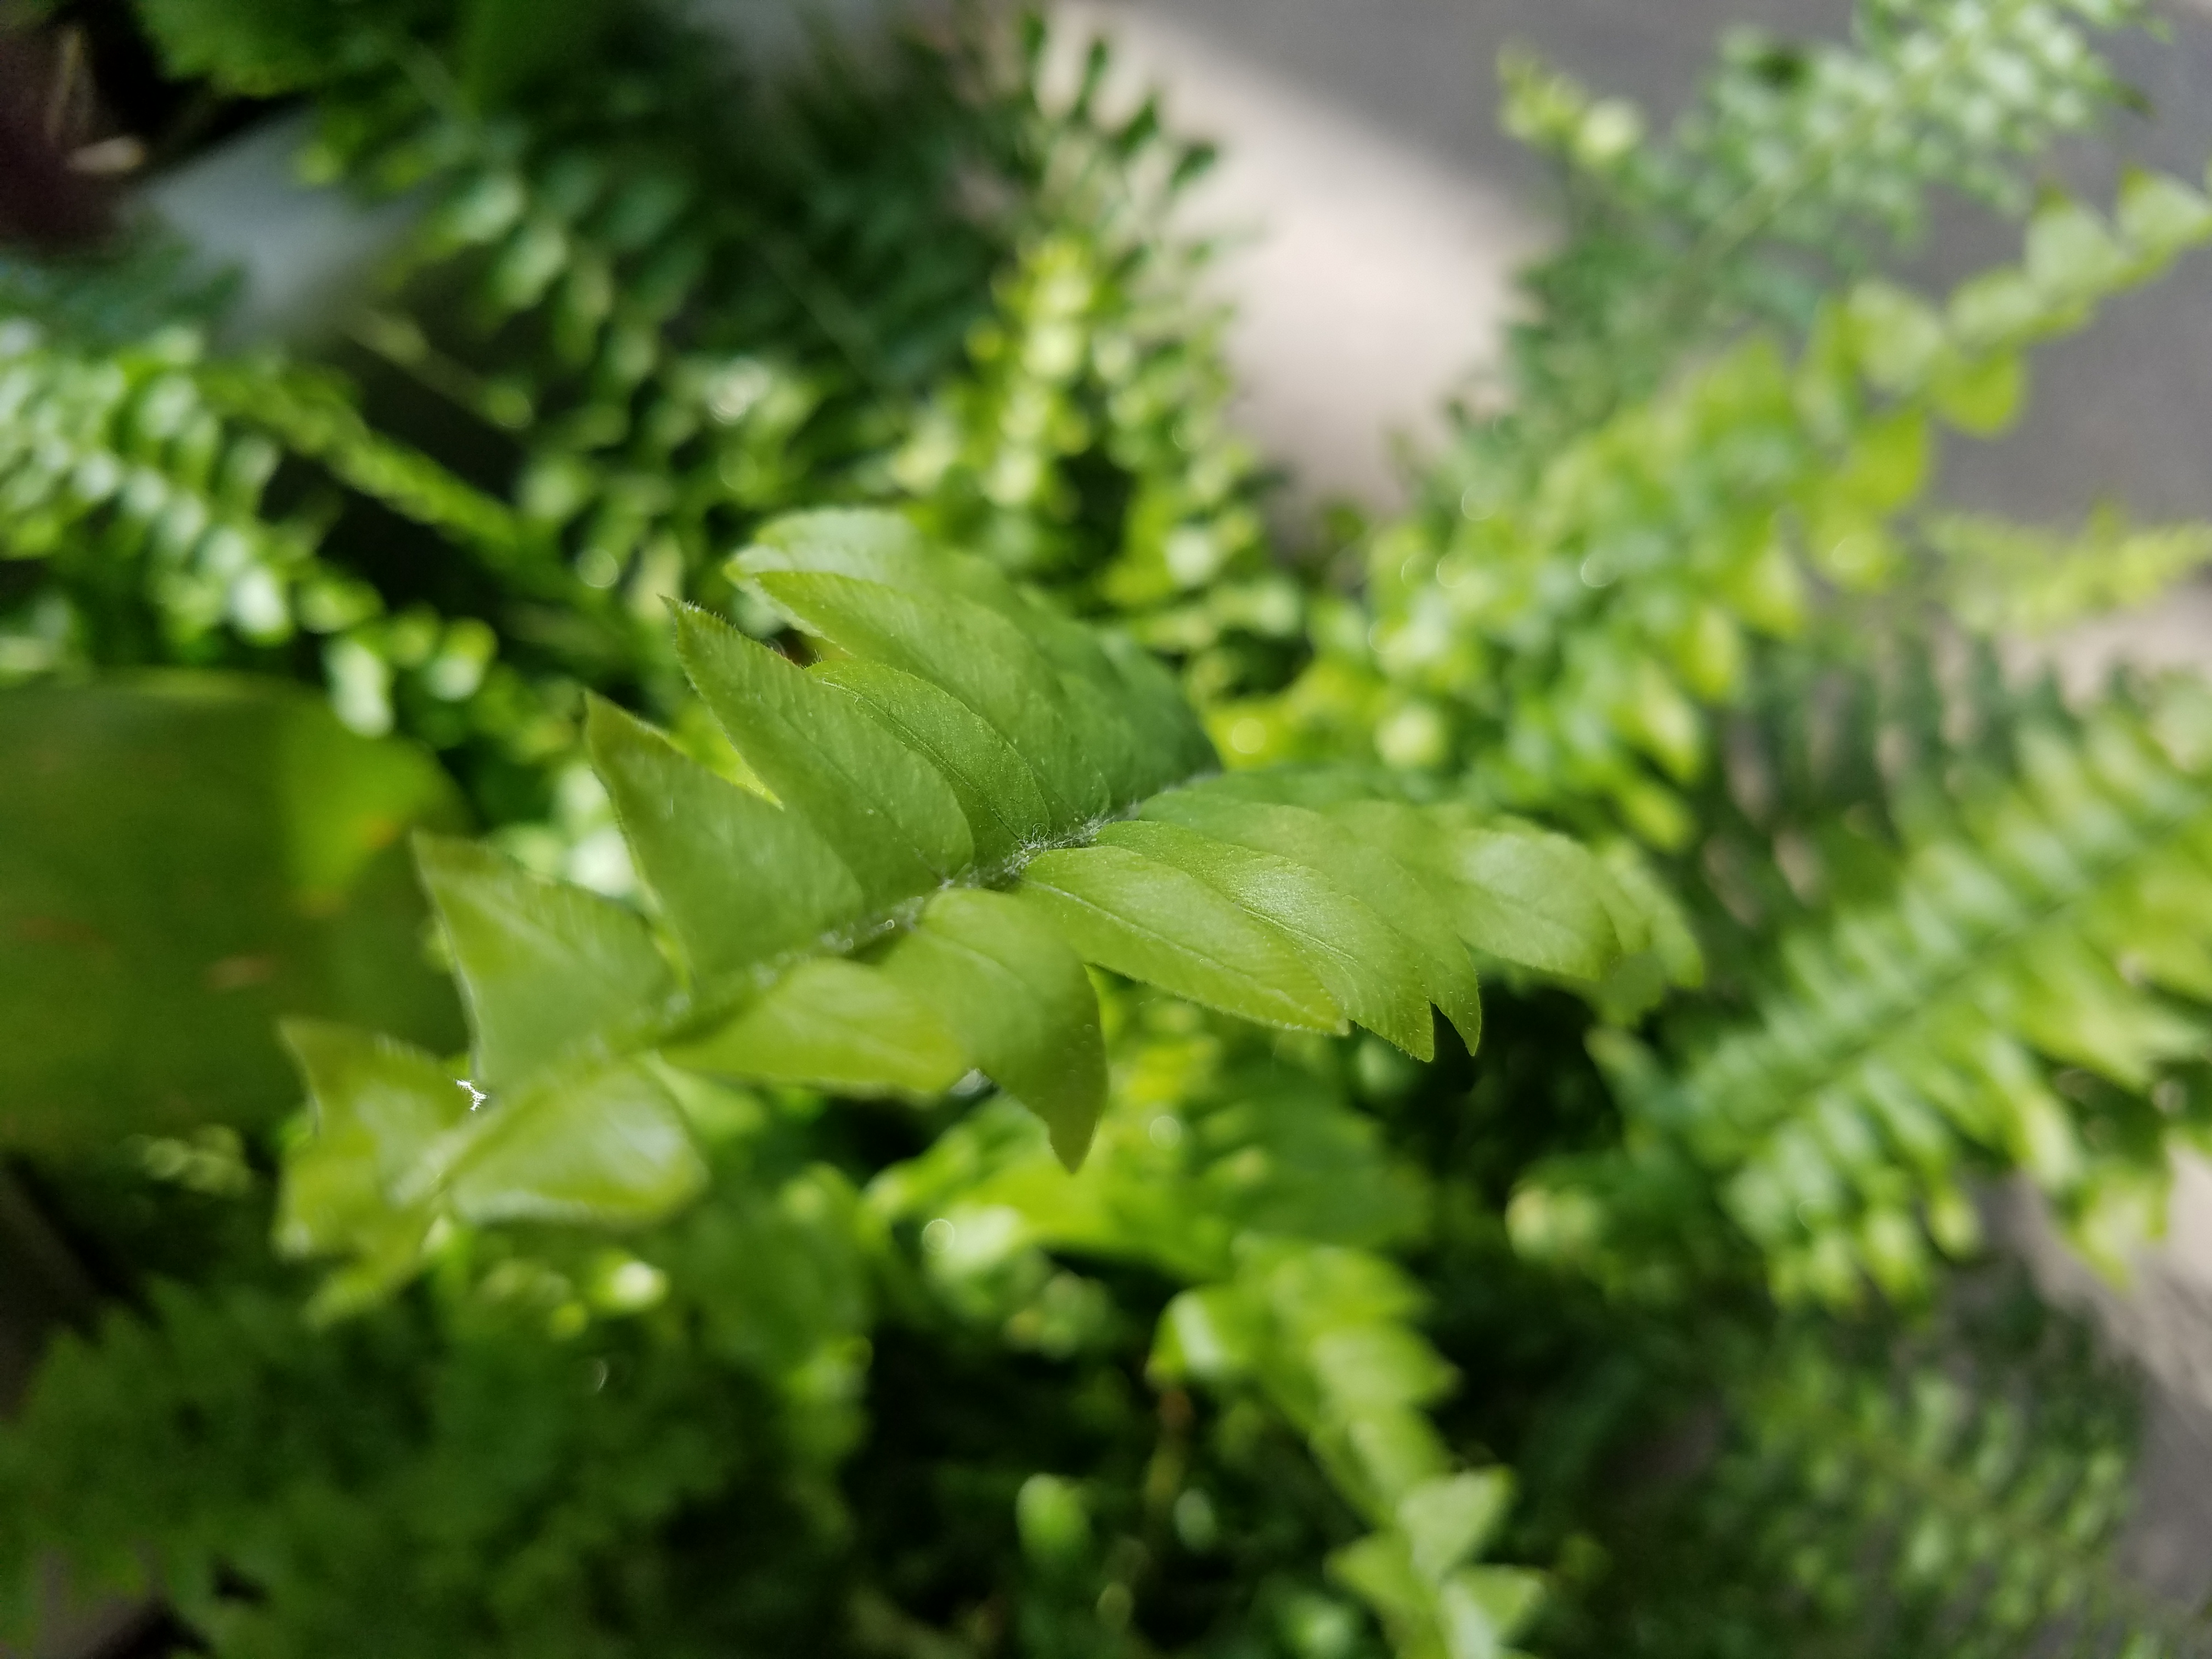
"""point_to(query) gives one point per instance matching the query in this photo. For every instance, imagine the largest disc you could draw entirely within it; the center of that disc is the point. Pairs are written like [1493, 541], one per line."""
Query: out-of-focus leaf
[184, 859]
[602, 1147]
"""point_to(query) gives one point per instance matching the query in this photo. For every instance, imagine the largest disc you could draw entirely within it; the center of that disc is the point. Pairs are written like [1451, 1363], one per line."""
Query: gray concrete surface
[300, 253]
[1388, 212]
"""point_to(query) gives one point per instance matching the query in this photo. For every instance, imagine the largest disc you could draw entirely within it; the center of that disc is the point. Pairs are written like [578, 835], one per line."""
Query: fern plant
[970, 804]
[953, 1148]
[1956, 1494]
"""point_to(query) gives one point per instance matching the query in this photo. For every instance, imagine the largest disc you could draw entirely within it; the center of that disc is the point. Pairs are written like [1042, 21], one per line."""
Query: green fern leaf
[2009, 579]
[544, 969]
[1563, 633]
[831, 1023]
[1154, 922]
[2060, 919]
[886, 924]
[1015, 997]
[880, 808]
[1801, 161]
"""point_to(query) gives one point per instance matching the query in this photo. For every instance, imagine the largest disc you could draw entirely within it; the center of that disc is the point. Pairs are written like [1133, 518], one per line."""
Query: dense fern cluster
[639, 330]
[1044, 1080]
[1857, 1495]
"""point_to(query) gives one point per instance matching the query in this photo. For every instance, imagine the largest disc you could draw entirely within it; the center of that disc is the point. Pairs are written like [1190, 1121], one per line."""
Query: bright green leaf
[1005, 811]
[1535, 900]
[1446, 1521]
[976, 656]
[894, 821]
[1019, 1002]
[1162, 926]
[545, 967]
[1365, 966]
[603, 1146]
[741, 880]
[1373, 875]
[379, 1106]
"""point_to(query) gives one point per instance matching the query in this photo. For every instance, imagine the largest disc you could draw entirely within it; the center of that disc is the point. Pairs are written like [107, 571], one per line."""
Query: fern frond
[1968, 1499]
[1799, 162]
[315, 415]
[442, 1477]
[1325, 1334]
[1994, 1521]
[268, 48]
[2060, 921]
[684, 317]
[2016, 579]
[1563, 637]
[153, 280]
[973, 798]
[1088, 443]
[1833, 765]
[1215, 1132]
[146, 481]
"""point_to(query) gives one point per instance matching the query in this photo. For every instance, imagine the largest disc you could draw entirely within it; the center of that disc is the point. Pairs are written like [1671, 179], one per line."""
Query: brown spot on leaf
[238, 973]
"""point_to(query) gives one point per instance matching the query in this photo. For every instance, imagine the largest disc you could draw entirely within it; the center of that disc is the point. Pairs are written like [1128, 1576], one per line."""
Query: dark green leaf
[186, 860]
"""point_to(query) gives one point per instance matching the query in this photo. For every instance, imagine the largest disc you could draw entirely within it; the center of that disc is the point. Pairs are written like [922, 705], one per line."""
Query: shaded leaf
[186, 860]
[834, 1024]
